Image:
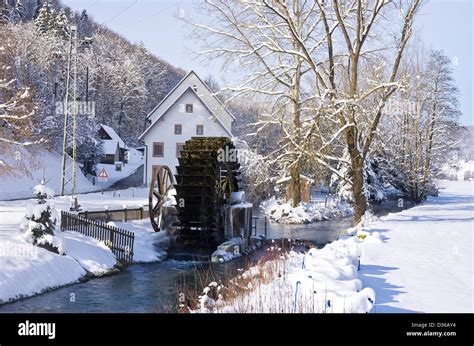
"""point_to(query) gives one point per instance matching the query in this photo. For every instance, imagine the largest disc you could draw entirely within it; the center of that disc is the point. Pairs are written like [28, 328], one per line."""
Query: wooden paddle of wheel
[161, 183]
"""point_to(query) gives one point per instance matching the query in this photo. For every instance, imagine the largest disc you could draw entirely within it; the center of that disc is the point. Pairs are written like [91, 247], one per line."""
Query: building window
[199, 130]
[158, 149]
[179, 148]
[178, 129]
[189, 108]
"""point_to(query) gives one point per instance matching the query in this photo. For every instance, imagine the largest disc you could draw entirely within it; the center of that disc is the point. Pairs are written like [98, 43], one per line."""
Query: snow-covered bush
[375, 176]
[39, 224]
[304, 213]
[340, 187]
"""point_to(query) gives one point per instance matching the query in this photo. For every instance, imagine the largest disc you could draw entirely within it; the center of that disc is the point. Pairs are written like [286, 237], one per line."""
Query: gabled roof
[174, 101]
[115, 138]
[109, 146]
[212, 97]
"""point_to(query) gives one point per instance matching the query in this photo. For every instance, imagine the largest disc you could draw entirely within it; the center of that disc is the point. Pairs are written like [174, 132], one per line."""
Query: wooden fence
[118, 240]
[124, 214]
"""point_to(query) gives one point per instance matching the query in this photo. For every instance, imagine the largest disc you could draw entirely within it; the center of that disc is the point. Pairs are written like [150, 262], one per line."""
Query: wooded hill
[123, 80]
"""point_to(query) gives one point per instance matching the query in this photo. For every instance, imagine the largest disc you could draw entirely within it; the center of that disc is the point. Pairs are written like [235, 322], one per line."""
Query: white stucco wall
[191, 81]
[163, 131]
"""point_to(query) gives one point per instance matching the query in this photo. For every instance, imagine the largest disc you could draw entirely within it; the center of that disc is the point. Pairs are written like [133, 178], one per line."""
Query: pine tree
[45, 21]
[84, 25]
[18, 12]
[39, 223]
[61, 24]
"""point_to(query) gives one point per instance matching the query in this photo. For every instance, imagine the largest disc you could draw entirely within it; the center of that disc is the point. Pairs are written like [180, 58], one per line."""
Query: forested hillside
[118, 82]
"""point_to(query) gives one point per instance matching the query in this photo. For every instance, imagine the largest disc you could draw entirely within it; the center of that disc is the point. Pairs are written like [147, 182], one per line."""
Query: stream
[154, 287]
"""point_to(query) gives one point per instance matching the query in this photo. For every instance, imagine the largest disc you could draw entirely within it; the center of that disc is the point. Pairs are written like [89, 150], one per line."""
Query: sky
[441, 24]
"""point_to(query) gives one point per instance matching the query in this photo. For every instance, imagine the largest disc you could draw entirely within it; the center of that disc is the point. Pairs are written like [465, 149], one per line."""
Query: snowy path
[425, 262]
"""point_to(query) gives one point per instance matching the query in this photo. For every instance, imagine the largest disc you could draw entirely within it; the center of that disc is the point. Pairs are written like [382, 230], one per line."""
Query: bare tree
[16, 108]
[281, 41]
[357, 98]
[422, 133]
[259, 41]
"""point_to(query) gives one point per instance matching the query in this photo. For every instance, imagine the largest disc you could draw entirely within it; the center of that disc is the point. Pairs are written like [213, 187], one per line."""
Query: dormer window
[189, 108]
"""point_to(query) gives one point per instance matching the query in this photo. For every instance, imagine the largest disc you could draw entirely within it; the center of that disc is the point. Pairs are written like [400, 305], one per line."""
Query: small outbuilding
[114, 148]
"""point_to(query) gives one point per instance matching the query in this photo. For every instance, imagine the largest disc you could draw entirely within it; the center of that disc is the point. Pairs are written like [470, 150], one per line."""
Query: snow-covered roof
[114, 137]
[109, 146]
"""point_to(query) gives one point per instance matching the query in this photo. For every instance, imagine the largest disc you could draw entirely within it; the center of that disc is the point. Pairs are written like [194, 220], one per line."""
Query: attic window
[195, 88]
[189, 108]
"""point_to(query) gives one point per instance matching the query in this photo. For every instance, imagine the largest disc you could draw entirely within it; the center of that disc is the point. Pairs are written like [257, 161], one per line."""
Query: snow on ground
[135, 156]
[131, 198]
[227, 251]
[418, 260]
[94, 256]
[316, 210]
[47, 164]
[319, 281]
[27, 270]
[424, 259]
[460, 170]
[114, 175]
[148, 246]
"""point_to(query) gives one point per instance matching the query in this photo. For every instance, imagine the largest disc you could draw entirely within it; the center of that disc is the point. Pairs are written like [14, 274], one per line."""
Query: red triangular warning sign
[103, 173]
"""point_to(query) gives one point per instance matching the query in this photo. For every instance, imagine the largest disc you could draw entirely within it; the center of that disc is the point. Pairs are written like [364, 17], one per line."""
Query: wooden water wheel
[161, 183]
[203, 182]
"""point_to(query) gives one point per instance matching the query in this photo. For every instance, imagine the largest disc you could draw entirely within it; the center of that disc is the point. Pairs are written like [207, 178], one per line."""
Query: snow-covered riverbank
[318, 281]
[418, 260]
[316, 210]
[26, 270]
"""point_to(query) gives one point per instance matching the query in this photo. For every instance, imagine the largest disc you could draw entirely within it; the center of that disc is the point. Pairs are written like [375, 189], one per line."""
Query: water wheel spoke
[165, 180]
[162, 179]
[160, 221]
[158, 206]
[167, 190]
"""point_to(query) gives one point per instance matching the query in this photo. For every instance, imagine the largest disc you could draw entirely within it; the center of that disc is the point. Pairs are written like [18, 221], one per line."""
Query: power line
[156, 13]
[120, 12]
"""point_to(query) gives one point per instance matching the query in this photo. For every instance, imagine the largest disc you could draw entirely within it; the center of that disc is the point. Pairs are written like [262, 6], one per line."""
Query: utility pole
[68, 166]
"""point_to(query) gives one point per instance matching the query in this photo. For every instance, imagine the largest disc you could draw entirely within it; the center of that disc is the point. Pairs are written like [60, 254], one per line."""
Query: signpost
[103, 177]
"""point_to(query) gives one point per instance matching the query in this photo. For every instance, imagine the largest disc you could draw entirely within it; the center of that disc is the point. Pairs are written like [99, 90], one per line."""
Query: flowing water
[154, 287]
